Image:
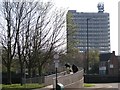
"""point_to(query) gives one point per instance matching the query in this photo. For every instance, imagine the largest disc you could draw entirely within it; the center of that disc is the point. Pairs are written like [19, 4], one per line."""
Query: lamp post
[87, 68]
[87, 52]
[56, 61]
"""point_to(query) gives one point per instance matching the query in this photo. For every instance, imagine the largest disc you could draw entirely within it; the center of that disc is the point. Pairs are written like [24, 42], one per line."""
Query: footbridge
[74, 80]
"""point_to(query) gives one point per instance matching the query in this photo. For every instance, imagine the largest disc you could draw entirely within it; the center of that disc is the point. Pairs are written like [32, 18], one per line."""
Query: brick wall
[113, 65]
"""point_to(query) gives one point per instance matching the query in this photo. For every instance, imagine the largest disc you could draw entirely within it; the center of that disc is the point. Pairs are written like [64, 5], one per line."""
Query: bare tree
[14, 14]
[33, 31]
[46, 35]
[24, 10]
[8, 39]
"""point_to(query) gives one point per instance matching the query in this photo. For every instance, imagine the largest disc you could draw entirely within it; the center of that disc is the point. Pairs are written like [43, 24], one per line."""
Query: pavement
[45, 88]
[98, 85]
[106, 85]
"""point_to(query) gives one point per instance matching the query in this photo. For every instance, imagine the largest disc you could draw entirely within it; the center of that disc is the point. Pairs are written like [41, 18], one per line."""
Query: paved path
[99, 86]
[45, 88]
[105, 85]
[119, 86]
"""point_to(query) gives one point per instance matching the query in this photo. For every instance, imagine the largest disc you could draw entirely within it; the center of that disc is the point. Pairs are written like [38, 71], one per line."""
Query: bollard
[60, 86]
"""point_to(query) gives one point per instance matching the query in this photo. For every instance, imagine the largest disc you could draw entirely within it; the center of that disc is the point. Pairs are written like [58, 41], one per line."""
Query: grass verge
[23, 87]
[88, 85]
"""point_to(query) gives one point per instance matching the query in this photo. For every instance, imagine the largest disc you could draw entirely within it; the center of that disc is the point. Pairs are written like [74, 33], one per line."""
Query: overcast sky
[110, 6]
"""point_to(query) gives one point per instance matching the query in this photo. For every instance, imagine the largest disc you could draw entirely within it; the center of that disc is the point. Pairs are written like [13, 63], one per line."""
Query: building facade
[92, 30]
[109, 64]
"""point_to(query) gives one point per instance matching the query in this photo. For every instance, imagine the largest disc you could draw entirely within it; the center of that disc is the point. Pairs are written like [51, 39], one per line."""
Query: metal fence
[39, 80]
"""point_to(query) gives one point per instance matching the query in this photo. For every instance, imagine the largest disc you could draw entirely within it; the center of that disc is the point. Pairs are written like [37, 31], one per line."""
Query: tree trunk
[40, 73]
[9, 75]
[21, 72]
[29, 72]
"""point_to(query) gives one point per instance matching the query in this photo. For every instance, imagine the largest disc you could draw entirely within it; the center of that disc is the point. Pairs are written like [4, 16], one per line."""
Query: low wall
[34, 80]
[71, 80]
[101, 79]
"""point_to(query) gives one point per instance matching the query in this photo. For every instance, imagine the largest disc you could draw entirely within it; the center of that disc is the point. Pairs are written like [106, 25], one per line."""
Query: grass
[88, 85]
[19, 87]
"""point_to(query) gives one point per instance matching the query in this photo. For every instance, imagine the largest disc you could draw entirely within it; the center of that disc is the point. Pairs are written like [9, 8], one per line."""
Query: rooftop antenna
[100, 7]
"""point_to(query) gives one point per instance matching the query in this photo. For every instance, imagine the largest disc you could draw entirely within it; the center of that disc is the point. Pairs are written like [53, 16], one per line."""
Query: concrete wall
[49, 79]
[71, 80]
[77, 84]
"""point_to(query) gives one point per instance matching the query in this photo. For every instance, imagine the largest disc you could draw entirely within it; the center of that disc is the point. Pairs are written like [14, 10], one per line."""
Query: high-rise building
[92, 30]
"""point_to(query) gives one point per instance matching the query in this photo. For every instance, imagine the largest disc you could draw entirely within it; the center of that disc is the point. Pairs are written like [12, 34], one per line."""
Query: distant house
[109, 64]
[113, 65]
[103, 67]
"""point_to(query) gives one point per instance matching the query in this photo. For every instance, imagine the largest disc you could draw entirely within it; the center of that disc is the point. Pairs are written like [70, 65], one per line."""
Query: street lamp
[87, 68]
[56, 61]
